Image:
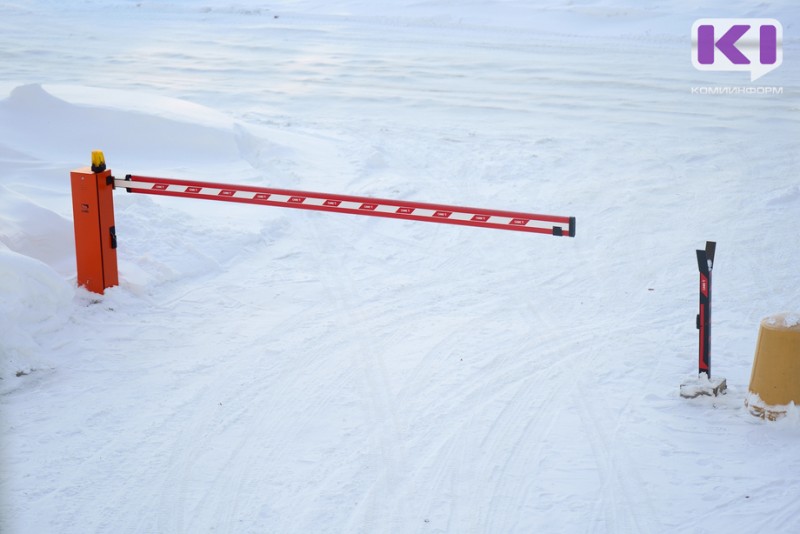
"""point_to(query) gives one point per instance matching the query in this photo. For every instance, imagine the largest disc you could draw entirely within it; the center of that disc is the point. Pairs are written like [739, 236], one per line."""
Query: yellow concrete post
[775, 380]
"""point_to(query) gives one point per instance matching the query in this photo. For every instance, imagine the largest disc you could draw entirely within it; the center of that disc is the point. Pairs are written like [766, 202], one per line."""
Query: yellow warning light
[98, 161]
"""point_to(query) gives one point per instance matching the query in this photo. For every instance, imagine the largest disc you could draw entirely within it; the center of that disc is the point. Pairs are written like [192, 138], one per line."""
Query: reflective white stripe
[385, 208]
[348, 205]
[132, 185]
[420, 212]
[311, 201]
[458, 216]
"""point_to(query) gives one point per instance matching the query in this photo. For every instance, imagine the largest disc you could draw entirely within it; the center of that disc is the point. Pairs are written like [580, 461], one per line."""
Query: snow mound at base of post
[759, 408]
[704, 386]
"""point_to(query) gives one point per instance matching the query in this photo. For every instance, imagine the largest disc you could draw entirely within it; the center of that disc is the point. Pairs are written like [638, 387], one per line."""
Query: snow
[703, 385]
[759, 408]
[269, 370]
[783, 320]
[35, 303]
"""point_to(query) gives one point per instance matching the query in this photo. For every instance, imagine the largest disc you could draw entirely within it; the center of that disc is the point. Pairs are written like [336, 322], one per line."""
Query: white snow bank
[141, 134]
[147, 103]
[36, 123]
[35, 302]
[33, 230]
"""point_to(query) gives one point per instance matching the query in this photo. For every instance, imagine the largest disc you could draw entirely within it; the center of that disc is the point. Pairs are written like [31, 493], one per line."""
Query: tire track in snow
[285, 415]
[255, 399]
[109, 499]
[553, 385]
[197, 437]
[623, 504]
[238, 473]
[460, 462]
[517, 432]
[380, 406]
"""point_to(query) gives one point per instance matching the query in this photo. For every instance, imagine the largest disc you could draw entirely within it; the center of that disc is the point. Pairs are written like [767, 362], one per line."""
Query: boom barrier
[95, 230]
[374, 207]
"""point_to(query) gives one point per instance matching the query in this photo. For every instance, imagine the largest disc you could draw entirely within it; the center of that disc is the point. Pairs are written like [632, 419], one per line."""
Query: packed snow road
[267, 370]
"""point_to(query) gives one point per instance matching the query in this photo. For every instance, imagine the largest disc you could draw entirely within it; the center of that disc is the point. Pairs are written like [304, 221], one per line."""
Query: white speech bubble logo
[754, 45]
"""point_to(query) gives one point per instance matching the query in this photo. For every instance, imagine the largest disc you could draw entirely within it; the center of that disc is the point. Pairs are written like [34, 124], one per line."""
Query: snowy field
[269, 370]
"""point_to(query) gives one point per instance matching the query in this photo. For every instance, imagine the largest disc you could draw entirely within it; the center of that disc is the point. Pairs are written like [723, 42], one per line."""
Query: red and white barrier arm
[375, 207]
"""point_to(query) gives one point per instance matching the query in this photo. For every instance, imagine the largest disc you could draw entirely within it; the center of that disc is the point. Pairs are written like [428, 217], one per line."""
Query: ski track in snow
[304, 372]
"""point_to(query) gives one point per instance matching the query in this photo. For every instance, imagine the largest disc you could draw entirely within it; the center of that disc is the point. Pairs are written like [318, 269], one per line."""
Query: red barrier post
[95, 231]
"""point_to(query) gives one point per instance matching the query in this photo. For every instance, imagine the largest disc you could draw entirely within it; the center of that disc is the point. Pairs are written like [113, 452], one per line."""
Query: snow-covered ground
[267, 370]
